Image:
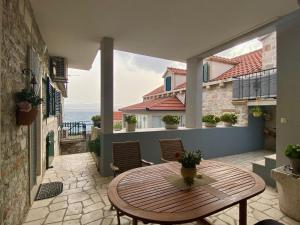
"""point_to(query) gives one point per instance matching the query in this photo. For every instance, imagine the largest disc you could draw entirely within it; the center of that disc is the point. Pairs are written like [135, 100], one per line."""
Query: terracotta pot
[130, 127]
[26, 118]
[295, 163]
[227, 124]
[206, 124]
[171, 126]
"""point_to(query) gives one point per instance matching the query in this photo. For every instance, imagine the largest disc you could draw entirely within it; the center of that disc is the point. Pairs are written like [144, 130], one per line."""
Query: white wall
[217, 68]
[288, 104]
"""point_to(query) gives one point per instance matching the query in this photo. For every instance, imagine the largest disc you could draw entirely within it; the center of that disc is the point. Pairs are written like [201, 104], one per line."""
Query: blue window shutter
[48, 97]
[168, 83]
[205, 72]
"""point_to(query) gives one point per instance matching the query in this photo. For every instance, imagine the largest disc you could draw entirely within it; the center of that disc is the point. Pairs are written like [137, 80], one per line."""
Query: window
[168, 83]
[205, 72]
[52, 102]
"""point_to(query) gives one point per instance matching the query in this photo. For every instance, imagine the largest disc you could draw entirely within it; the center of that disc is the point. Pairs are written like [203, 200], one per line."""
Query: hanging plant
[257, 111]
[27, 104]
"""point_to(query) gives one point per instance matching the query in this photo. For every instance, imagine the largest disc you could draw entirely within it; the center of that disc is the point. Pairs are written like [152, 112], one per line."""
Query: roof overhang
[170, 29]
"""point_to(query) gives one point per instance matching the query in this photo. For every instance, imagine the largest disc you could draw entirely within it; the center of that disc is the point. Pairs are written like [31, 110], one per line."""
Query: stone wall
[19, 31]
[217, 99]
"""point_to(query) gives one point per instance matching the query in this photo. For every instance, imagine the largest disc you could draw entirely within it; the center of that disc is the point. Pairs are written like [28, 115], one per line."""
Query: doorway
[49, 149]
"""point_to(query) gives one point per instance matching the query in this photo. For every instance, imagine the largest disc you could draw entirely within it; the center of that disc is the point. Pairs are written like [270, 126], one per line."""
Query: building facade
[219, 82]
[24, 149]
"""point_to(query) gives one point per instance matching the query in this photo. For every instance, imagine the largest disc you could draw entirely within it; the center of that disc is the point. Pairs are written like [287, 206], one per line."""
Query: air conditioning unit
[58, 69]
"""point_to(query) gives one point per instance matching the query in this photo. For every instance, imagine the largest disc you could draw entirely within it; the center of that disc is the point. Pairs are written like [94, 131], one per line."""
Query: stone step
[259, 167]
[270, 161]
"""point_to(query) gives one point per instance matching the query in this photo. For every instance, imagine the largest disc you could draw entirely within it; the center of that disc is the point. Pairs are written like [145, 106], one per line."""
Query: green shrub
[96, 118]
[130, 119]
[169, 119]
[211, 119]
[293, 151]
[95, 146]
[118, 126]
[229, 118]
[28, 95]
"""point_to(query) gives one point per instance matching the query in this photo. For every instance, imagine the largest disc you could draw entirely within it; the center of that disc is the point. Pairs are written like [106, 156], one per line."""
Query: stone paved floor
[84, 199]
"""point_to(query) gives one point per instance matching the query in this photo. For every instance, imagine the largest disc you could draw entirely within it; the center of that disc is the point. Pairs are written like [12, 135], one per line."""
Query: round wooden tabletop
[146, 195]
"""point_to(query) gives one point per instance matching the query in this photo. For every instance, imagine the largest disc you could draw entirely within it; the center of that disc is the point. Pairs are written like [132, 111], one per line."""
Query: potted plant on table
[257, 111]
[210, 120]
[96, 120]
[27, 106]
[293, 153]
[131, 123]
[188, 161]
[228, 119]
[171, 122]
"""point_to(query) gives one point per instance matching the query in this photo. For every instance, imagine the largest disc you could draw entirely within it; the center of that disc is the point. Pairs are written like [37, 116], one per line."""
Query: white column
[193, 115]
[107, 81]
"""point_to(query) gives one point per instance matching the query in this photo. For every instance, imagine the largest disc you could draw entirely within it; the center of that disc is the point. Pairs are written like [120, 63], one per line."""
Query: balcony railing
[75, 128]
[261, 84]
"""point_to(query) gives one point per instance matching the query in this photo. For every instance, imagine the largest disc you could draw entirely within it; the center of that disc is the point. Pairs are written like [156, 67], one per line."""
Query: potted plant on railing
[96, 120]
[27, 106]
[293, 153]
[171, 122]
[228, 119]
[131, 123]
[257, 111]
[188, 161]
[210, 120]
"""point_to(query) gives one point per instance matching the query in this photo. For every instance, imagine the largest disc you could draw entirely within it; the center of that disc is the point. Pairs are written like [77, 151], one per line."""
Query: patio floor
[84, 199]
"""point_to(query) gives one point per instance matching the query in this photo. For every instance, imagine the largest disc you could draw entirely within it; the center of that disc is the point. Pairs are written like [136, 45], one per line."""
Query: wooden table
[144, 193]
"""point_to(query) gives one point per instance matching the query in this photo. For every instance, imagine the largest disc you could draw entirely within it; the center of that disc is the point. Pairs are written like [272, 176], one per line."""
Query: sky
[134, 76]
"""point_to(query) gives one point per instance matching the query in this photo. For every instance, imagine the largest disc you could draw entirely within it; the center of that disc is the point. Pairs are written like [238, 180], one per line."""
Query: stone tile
[72, 222]
[98, 222]
[72, 217]
[94, 207]
[274, 213]
[87, 202]
[75, 208]
[91, 217]
[59, 205]
[96, 197]
[36, 222]
[78, 197]
[36, 214]
[60, 199]
[41, 203]
[259, 206]
[56, 216]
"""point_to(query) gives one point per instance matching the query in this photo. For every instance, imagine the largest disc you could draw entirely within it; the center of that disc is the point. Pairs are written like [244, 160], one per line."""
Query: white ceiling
[170, 29]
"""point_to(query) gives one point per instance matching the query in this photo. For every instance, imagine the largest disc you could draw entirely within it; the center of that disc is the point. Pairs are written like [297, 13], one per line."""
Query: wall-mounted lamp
[29, 72]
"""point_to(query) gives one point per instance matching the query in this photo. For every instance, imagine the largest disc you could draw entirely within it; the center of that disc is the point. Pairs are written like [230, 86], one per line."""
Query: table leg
[243, 212]
[134, 221]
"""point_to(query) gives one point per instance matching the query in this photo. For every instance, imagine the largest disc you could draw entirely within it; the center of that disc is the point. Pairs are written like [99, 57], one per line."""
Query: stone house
[219, 74]
[26, 151]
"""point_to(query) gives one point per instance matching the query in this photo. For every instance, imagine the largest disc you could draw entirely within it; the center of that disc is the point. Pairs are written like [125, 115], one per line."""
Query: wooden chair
[168, 149]
[268, 222]
[126, 156]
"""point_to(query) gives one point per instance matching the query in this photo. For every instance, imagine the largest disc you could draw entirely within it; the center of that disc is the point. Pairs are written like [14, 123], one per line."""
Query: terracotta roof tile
[158, 90]
[177, 71]
[248, 63]
[216, 58]
[161, 104]
[117, 116]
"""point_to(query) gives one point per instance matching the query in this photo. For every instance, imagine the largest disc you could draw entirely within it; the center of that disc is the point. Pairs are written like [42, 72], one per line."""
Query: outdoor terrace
[84, 199]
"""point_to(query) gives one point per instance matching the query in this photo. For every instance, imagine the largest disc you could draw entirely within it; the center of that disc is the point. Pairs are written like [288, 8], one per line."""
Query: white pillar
[193, 115]
[107, 81]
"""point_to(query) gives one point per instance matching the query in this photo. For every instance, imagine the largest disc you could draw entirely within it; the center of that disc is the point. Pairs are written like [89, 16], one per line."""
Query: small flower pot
[227, 124]
[97, 123]
[171, 126]
[257, 114]
[295, 163]
[206, 124]
[26, 118]
[188, 175]
[130, 127]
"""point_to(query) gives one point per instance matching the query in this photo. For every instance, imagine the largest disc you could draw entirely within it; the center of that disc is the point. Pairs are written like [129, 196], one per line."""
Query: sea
[80, 113]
